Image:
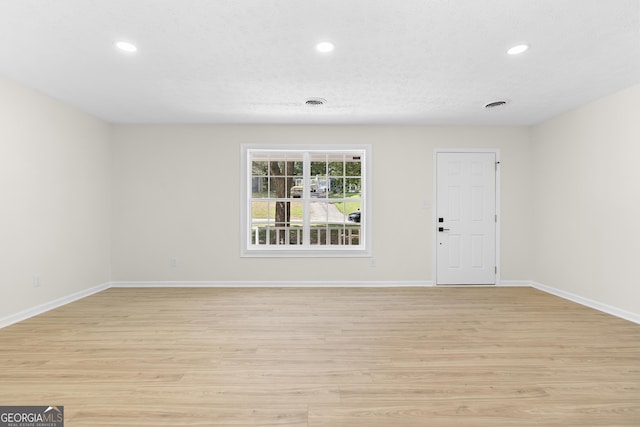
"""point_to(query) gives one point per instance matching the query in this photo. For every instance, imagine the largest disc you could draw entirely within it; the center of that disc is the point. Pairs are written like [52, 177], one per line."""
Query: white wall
[570, 201]
[54, 199]
[176, 194]
[586, 201]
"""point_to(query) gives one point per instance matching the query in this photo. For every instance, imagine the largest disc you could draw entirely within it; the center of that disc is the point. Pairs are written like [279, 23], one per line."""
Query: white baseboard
[271, 284]
[25, 314]
[605, 308]
[43, 308]
[514, 283]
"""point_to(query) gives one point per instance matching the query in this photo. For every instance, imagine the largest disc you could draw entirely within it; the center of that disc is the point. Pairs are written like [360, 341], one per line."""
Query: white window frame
[248, 249]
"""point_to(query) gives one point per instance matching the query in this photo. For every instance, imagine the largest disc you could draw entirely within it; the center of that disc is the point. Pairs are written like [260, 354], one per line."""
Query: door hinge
[496, 217]
[496, 269]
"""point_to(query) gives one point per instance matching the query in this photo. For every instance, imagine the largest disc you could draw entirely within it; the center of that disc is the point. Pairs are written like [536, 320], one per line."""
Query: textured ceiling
[253, 61]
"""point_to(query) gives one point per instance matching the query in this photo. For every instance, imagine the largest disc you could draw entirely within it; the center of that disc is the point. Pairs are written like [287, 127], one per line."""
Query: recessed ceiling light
[515, 50]
[126, 46]
[325, 47]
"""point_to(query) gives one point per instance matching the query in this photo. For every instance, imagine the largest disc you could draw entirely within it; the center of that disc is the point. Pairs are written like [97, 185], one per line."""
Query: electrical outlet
[174, 262]
[36, 280]
[372, 262]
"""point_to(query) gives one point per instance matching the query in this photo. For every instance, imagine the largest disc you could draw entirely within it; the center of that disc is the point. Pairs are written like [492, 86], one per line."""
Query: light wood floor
[326, 357]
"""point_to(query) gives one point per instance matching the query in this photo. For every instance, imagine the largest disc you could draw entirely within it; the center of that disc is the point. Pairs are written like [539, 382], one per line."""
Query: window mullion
[306, 195]
[268, 222]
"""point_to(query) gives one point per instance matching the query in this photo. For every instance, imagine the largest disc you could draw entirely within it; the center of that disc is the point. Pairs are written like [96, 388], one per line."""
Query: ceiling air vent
[315, 102]
[495, 104]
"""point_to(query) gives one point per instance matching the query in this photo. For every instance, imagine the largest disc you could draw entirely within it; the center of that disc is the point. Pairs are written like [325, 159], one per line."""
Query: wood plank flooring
[326, 357]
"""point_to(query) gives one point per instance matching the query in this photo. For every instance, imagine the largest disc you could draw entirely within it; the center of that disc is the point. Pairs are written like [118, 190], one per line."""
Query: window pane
[318, 168]
[277, 168]
[351, 235]
[297, 213]
[320, 187]
[331, 211]
[349, 208]
[282, 213]
[294, 168]
[259, 187]
[337, 213]
[278, 188]
[355, 215]
[297, 189]
[317, 213]
[337, 187]
[353, 167]
[296, 236]
[336, 168]
[262, 212]
[260, 168]
[353, 187]
[289, 184]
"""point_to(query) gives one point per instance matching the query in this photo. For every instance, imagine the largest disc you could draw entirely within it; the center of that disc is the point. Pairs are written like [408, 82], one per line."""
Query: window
[305, 201]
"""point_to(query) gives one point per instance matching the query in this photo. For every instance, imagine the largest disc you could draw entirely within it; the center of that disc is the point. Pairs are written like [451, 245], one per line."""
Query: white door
[466, 218]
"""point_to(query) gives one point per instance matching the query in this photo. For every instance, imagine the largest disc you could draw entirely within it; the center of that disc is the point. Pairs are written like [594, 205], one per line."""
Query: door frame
[434, 217]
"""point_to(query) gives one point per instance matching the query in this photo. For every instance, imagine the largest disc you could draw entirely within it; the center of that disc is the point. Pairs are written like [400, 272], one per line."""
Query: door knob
[441, 229]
